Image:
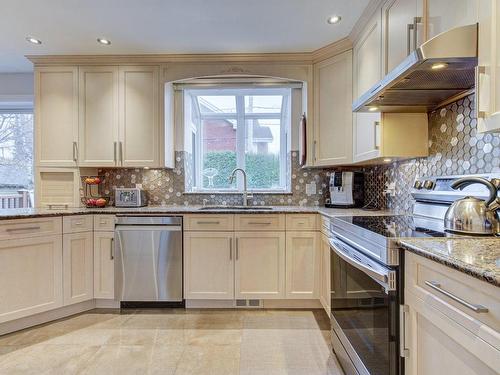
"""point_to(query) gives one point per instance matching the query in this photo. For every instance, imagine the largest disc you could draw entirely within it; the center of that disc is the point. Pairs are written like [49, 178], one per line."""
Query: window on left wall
[16, 158]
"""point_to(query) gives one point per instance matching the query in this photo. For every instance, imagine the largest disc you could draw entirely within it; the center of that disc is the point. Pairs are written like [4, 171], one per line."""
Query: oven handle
[380, 277]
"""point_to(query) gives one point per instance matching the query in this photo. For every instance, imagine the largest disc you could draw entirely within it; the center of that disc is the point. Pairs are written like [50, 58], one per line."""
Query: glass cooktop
[398, 226]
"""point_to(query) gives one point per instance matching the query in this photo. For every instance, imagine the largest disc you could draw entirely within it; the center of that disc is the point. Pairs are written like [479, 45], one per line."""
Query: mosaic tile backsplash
[455, 147]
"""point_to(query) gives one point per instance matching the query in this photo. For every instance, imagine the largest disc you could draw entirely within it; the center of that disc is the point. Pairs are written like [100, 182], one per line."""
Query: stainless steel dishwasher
[148, 260]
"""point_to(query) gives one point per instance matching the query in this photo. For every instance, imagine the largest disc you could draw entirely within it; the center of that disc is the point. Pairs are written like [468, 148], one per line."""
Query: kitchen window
[244, 128]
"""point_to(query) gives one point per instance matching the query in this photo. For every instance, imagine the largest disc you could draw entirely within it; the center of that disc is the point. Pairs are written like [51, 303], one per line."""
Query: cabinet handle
[416, 21]
[437, 286]
[403, 351]
[314, 151]
[478, 71]
[237, 249]
[375, 133]
[208, 222]
[230, 249]
[121, 153]
[112, 250]
[78, 223]
[259, 223]
[10, 230]
[409, 28]
[75, 152]
[114, 151]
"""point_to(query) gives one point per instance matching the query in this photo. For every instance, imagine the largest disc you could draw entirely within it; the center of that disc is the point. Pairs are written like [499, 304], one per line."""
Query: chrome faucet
[246, 194]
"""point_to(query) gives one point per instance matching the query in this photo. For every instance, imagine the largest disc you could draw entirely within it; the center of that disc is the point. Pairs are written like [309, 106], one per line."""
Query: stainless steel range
[366, 278]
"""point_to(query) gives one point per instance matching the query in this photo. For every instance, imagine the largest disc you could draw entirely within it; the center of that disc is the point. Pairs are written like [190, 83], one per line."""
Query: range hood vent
[440, 69]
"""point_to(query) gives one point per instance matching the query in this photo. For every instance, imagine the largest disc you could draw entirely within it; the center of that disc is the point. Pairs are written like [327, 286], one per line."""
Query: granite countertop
[478, 257]
[20, 213]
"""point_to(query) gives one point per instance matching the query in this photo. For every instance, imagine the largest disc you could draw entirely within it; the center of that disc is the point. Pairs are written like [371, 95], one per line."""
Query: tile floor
[216, 342]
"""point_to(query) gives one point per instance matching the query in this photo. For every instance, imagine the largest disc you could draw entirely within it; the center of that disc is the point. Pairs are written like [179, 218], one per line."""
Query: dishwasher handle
[160, 228]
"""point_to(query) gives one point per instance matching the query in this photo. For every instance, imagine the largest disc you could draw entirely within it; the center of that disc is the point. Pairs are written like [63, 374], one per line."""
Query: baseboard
[209, 304]
[266, 304]
[107, 304]
[33, 320]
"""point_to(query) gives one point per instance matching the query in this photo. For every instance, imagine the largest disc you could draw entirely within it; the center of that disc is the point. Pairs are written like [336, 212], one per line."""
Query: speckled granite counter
[171, 210]
[478, 257]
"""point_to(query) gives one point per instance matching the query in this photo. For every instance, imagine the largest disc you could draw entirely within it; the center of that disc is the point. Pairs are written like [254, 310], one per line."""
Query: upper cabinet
[402, 31]
[488, 71]
[56, 116]
[332, 111]
[98, 116]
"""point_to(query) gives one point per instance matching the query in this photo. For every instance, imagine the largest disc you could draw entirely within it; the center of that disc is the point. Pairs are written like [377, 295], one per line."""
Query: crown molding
[368, 13]
[331, 50]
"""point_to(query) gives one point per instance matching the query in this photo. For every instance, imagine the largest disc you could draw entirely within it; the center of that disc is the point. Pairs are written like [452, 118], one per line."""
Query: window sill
[222, 192]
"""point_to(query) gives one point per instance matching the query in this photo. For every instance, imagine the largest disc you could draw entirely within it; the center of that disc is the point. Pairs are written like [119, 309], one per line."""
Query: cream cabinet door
[56, 116]
[260, 265]
[98, 116]
[402, 31]
[488, 72]
[302, 265]
[325, 275]
[443, 15]
[30, 276]
[139, 116]
[104, 265]
[78, 267]
[208, 265]
[332, 143]
[438, 345]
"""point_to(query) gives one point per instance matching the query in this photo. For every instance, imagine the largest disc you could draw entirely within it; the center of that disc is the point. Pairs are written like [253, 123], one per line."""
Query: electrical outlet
[311, 189]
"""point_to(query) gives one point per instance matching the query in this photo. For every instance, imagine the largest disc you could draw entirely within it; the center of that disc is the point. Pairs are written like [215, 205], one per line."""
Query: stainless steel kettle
[471, 215]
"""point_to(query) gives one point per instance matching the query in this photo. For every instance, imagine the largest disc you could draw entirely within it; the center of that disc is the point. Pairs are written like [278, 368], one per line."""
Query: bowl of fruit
[96, 202]
[92, 180]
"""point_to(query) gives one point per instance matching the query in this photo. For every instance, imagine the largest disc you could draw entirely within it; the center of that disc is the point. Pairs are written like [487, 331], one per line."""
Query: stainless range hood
[440, 69]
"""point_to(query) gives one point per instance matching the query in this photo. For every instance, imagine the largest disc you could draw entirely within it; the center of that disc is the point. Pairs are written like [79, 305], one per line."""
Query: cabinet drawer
[209, 222]
[77, 223]
[104, 223]
[301, 221]
[449, 291]
[259, 222]
[22, 228]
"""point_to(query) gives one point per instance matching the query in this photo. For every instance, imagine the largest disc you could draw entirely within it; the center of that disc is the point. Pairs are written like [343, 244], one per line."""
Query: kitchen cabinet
[31, 276]
[139, 127]
[488, 70]
[56, 116]
[98, 116]
[441, 334]
[302, 265]
[260, 265]
[324, 285]
[443, 15]
[395, 136]
[78, 267]
[208, 265]
[332, 143]
[104, 265]
[402, 31]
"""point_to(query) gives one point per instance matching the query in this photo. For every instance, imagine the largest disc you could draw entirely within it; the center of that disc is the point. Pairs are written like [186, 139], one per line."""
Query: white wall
[16, 90]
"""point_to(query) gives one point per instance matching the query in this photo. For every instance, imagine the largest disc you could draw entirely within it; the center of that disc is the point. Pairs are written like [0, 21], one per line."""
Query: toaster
[130, 197]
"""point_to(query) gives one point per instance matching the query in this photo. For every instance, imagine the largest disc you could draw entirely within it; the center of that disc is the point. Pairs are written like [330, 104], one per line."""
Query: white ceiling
[169, 26]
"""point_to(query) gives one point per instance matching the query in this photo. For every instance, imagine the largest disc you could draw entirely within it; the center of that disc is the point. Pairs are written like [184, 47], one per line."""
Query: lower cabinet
[324, 274]
[78, 267]
[104, 265]
[30, 276]
[260, 265]
[302, 265]
[208, 265]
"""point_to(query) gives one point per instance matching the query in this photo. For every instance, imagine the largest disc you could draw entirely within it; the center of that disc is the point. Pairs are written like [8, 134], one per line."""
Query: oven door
[364, 312]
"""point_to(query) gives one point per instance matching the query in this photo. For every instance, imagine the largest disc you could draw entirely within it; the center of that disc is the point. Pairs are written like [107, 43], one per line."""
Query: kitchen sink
[231, 208]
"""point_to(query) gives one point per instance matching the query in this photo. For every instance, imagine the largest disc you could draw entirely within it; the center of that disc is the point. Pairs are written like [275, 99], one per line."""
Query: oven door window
[365, 315]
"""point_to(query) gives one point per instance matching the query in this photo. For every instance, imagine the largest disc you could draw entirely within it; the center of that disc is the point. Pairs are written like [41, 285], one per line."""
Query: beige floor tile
[122, 360]
[213, 319]
[209, 360]
[155, 321]
[164, 359]
[132, 337]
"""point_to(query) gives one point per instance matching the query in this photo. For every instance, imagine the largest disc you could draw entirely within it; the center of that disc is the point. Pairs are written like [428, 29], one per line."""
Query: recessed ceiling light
[333, 19]
[104, 41]
[437, 66]
[373, 109]
[33, 40]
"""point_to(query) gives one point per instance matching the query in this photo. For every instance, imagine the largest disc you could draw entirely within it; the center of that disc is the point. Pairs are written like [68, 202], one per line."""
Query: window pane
[218, 153]
[262, 153]
[16, 159]
[263, 103]
[211, 104]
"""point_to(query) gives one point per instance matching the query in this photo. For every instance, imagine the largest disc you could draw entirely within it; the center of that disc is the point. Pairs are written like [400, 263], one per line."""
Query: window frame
[241, 117]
